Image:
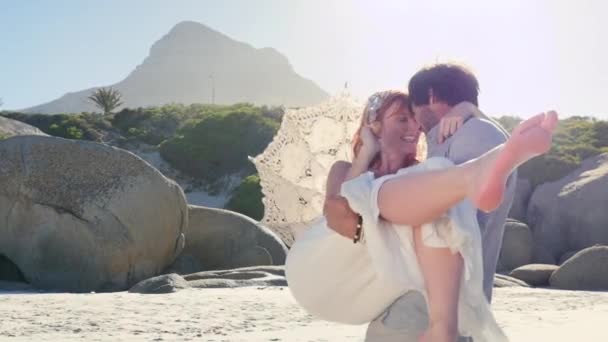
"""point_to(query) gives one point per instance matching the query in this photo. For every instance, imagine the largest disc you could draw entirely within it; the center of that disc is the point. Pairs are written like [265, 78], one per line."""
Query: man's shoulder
[473, 139]
[478, 128]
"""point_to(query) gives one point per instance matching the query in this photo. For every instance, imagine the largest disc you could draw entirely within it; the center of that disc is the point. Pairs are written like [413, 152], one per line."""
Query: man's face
[429, 115]
[426, 117]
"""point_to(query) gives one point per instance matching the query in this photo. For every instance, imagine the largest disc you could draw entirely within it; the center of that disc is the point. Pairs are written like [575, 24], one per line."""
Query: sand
[266, 314]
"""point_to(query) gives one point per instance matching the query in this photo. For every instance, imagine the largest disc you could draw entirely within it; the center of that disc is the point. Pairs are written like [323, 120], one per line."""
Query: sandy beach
[266, 314]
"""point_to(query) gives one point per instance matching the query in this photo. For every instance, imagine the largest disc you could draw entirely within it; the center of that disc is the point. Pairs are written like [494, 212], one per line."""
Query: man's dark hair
[451, 83]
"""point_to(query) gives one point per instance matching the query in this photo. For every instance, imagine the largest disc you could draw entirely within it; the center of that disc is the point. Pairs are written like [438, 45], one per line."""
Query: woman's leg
[442, 272]
[433, 193]
[420, 198]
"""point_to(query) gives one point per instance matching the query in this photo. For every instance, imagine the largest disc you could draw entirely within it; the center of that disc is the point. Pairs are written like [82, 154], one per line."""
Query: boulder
[166, 283]
[523, 191]
[9, 271]
[534, 274]
[262, 281]
[570, 214]
[501, 280]
[15, 286]
[9, 128]
[245, 276]
[221, 239]
[586, 270]
[516, 247]
[80, 216]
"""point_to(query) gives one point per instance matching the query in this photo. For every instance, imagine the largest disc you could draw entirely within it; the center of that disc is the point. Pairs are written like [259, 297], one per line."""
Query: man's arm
[457, 116]
[338, 214]
[465, 107]
[480, 114]
[473, 140]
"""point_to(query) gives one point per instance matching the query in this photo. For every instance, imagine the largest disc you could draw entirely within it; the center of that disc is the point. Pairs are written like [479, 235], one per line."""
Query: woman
[352, 283]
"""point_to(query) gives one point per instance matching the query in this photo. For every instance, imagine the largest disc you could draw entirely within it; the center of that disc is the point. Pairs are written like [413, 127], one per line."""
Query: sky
[529, 56]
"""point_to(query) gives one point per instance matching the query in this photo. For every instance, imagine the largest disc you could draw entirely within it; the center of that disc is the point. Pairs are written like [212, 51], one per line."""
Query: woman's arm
[340, 217]
[337, 175]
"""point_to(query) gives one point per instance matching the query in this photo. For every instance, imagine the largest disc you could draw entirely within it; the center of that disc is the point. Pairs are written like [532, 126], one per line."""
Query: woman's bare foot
[439, 333]
[529, 139]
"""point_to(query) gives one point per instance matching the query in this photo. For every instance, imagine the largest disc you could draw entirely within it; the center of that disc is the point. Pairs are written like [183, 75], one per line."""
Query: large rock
[166, 283]
[523, 191]
[571, 214]
[15, 286]
[221, 239]
[80, 216]
[9, 271]
[516, 247]
[586, 270]
[501, 280]
[534, 274]
[245, 276]
[9, 128]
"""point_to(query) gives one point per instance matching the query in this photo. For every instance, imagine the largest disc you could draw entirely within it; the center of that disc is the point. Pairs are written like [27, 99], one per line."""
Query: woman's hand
[455, 118]
[367, 153]
[371, 146]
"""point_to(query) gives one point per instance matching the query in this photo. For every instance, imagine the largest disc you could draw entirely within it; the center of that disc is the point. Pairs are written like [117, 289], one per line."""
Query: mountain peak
[193, 29]
[193, 63]
[189, 25]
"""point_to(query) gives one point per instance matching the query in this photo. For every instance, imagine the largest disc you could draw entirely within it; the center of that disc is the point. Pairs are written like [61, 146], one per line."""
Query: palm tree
[106, 99]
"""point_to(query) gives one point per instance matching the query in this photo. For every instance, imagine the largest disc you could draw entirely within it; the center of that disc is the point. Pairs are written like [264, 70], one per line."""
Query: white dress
[336, 280]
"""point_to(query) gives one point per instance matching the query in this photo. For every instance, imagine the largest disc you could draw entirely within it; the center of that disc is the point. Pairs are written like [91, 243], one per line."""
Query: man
[433, 92]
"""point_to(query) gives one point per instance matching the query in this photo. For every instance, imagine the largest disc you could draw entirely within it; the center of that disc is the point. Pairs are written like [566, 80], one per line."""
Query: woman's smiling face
[400, 131]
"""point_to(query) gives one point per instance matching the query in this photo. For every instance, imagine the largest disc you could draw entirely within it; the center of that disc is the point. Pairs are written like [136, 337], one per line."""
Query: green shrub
[154, 125]
[247, 198]
[149, 125]
[508, 122]
[600, 134]
[547, 168]
[219, 144]
[576, 139]
[85, 126]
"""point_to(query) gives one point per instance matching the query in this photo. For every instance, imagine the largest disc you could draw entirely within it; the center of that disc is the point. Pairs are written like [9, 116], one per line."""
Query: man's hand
[340, 217]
